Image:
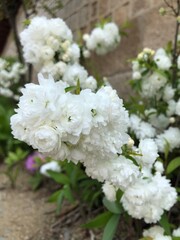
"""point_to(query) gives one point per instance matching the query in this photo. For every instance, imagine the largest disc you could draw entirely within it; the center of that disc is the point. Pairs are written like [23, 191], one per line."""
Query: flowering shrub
[10, 75]
[73, 120]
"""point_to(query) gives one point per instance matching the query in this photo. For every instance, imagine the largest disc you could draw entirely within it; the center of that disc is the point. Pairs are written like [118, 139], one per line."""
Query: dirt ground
[26, 215]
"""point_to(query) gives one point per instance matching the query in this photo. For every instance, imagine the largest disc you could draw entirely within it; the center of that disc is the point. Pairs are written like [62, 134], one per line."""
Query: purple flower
[31, 161]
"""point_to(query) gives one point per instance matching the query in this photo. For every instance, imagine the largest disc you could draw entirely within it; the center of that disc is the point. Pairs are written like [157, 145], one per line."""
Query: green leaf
[166, 149]
[59, 177]
[146, 238]
[175, 238]
[54, 196]
[113, 207]
[68, 193]
[165, 224]
[59, 201]
[99, 221]
[78, 87]
[71, 88]
[36, 181]
[111, 227]
[173, 165]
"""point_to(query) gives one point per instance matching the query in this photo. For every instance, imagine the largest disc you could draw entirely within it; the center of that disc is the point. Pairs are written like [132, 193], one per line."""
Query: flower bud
[162, 11]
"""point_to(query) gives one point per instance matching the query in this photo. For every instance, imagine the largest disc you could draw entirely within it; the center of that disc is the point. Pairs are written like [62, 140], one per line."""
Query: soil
[26, 215]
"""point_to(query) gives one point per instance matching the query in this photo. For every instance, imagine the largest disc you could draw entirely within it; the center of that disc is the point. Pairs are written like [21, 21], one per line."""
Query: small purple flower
[31, 164]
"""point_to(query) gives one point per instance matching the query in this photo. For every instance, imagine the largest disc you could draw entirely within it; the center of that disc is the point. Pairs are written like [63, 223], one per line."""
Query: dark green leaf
[54, 196]
[59, 177]
[99, 221]
[165, 224]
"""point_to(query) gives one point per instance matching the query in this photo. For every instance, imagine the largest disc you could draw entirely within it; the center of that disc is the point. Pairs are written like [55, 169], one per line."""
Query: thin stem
[11, 18]
[175, 54]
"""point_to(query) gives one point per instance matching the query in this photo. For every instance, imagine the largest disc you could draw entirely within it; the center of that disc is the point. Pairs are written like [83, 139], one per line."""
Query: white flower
[171, 108]
[162, 60]
[88, 127]
[136, 75]
[168, 93]
[141, 199]
[48, 40]
[149, 151]
[53, 166]
[152, 85]
[156, 233]
[45, 139]
[159, 167]
[74, 73]
[135, 66]
[171, 136]
[103, 40]
[86, 53]
[140, 128]
[176, 232]
[109, 191]
[119, 171]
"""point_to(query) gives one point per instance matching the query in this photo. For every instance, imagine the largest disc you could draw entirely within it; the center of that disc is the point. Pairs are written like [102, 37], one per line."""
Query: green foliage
[14, 157]
[164, 222]
[113, 207]
[75, 185]
[173, 165]
[12, 162]
[99, 221]
[110, 228]
[36, 180]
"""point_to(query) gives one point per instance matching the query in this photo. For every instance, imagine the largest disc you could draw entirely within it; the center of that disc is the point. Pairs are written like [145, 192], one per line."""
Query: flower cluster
[48, 45]
[157, 233]
[144, 187]
[152, 79]
[10, 74]
[88, 127]
[102, 39]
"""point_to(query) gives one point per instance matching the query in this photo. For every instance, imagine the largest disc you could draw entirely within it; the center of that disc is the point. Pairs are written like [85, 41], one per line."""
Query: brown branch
[175, 54]
[12, 22]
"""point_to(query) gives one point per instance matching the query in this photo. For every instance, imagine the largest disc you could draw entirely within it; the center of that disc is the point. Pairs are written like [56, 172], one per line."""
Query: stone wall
[149, 29]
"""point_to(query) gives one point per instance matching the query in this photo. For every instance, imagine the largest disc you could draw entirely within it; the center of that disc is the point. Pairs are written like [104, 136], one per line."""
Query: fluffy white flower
[168, 93]
[53, 166]
[170, 136]
[45, 139]
[103, 40]
[76, 72]
[159, 167]
[141, 199]
[162, 60]
[46, 41]
[140, 128]
[149, 151]
[109, 191]
[88, 127]
[171, 108]
[120, 171]
[156, 233]
[136, 75]
[176, 232]
[159, 121]
[152, 85]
